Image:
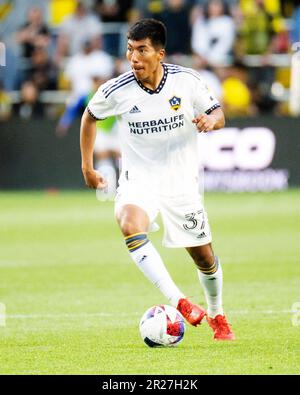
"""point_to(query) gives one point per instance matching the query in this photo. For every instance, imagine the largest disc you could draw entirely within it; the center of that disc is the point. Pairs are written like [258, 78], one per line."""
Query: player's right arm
[93, 179]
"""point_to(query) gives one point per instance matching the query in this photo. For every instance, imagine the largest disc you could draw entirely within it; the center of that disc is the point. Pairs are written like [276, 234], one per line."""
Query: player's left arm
[206, 123]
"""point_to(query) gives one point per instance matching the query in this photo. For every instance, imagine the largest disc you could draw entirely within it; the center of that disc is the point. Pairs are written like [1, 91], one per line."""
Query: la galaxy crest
[175, 103]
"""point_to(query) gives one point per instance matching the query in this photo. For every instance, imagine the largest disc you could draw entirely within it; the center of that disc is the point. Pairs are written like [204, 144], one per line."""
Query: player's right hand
[94, 179]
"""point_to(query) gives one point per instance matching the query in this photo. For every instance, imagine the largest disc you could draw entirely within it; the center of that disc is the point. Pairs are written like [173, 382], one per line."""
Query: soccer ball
[162, 325]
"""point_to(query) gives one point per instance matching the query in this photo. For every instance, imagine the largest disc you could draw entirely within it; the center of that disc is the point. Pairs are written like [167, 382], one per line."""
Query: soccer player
[160, 108]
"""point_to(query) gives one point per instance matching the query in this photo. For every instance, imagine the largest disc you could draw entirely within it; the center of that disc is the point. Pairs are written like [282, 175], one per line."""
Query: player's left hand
[205, 123]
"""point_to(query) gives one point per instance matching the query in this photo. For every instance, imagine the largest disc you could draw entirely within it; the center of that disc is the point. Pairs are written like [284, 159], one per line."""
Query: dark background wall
[32, 156]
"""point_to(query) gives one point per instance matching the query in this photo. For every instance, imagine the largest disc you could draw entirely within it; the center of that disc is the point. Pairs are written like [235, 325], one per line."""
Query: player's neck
[153, 81]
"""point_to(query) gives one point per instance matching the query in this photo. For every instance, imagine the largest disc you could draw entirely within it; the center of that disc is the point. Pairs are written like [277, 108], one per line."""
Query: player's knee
[203, 257]
[129, 228]
[203, 260]
[131, 221]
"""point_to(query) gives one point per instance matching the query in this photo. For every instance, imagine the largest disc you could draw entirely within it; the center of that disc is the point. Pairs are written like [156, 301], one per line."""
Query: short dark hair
[149, 28]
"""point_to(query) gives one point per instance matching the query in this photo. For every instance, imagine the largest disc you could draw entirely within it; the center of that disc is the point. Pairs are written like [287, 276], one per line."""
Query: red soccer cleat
[193, 313]
[221, 328]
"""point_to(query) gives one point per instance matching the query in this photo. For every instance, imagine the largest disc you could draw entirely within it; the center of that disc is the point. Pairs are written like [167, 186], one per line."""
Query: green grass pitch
[74, 299]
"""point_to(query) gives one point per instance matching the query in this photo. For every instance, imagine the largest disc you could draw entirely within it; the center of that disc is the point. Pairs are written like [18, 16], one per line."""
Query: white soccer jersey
[157, 137]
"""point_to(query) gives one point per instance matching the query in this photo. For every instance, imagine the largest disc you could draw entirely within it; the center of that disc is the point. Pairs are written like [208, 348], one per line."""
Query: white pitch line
[90, 315]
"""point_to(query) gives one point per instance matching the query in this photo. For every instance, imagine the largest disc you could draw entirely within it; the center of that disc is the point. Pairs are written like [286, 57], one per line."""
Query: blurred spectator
[29, 105]
[237, 96]
[76, 107]
[176, 18]
[5, 104]
[88, 63]
[121, 66]
[259, 28]
[42, 71]
[75, 30]
[211, 78]
[9, 73]
[149, 8]
[295, 31]
[34, 33]
[261, 32]
[204, 26]
[106, 147]
[113, 11]
[89, 67]
[153, 7]
[230, 4]
[261, 80]
[213, 34]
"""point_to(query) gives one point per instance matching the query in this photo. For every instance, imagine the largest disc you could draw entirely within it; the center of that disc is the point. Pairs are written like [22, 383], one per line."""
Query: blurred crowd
[86, 44]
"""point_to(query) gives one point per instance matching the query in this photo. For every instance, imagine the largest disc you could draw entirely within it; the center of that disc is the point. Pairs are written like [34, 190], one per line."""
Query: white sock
[212, 284]
[150, 263]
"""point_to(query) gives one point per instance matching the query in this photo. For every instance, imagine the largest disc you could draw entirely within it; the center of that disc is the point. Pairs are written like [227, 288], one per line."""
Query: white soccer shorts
[184, 218]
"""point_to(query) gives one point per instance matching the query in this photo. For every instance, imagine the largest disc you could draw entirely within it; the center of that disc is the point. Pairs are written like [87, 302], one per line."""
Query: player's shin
[212, 281]
[150, 263]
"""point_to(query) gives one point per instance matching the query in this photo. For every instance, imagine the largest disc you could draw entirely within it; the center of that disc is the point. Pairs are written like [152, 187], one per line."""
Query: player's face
[144, 58]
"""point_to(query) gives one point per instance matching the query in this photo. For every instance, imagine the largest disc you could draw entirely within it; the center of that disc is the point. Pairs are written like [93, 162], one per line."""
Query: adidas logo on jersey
[134, 110]
[201, 235]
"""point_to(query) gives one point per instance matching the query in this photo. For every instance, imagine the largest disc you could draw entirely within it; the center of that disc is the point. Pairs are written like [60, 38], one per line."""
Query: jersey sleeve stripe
[93, 115]
[118, 81]
[170, 65]
[211, 109]
[118, 86]
[172, 68]
[185, 71]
